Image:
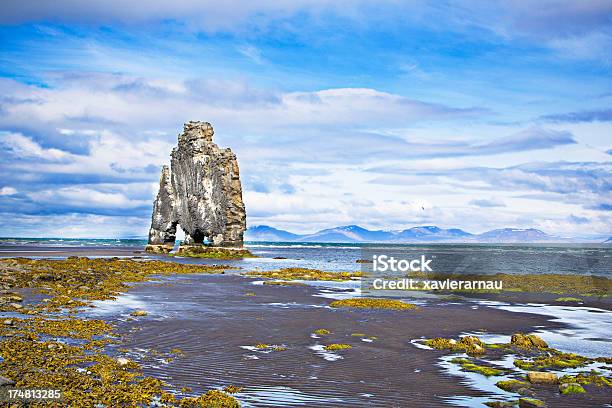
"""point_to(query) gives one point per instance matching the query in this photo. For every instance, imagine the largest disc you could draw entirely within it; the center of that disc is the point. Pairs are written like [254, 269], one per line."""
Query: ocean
[583, 259]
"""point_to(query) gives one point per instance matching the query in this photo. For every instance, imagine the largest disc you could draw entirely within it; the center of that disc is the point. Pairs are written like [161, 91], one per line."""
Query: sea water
[580, 259]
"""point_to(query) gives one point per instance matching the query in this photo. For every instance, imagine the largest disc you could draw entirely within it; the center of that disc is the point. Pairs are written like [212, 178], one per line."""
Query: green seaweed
[555, 360]
[469, 365]
[263, 346]
[74, 282]
[467, 344]
[289, 274]
[496, 346]
[232, 389]
[568, 299]
[571, 388]
[283, 283]
[512, 385]
[531, 403]
[205, 251]
[212, 399]
[337, 346]
[373, 303]
[139, 313]
[592, 377]
[500, 404]
[528, 341]
[48, 351]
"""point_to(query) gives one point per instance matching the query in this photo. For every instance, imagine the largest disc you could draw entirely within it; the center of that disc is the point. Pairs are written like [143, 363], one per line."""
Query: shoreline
[44, 251]
[233, 332]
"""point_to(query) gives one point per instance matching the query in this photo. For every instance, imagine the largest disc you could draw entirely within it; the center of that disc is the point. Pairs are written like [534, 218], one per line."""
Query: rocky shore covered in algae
[141, 332]
[49, 346]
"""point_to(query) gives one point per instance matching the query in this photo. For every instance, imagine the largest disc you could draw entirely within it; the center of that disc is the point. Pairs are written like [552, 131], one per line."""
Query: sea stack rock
[201, 193]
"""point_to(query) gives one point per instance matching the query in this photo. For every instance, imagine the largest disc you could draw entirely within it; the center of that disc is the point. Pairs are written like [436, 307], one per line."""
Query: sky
[391, 114]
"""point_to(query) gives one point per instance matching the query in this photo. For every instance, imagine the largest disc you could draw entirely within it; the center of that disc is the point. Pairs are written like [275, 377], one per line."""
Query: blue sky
[471, 114]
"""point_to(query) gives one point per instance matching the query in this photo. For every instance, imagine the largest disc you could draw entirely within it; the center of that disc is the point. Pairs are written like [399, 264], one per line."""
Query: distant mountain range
[265, 233]
[356, 234]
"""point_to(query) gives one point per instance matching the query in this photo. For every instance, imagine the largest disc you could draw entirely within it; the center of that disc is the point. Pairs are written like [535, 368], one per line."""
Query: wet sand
[211, 318]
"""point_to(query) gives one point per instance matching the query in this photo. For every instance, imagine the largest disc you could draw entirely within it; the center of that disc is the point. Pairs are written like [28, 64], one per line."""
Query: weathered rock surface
[531, 403]
[122, 361]
[200, 192]
[6, 381]
[528, 341]
[539, 377]
[571, 388]
[139, 313]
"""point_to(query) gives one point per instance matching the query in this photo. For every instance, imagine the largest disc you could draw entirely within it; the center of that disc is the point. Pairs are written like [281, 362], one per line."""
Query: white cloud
[7, 191]
[24, 147]
[119, 102]
[571, 27]
[73, 226]
[488, 202]
[270, 204]
[82, 197]
[251, 52]
[108, 155]
[591, 46]
[317, 159]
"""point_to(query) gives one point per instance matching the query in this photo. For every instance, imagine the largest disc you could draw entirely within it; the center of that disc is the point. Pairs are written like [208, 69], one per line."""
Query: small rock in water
[139, 313]
[8, 322]
[512, 385]
[6, 381]
[122, 361]
[471, 344]
[531, 403]
[571, 388]
[12, 297]
[44, 277]
[15, 305]
[500, 404]
[528, 341]
[537, 377]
